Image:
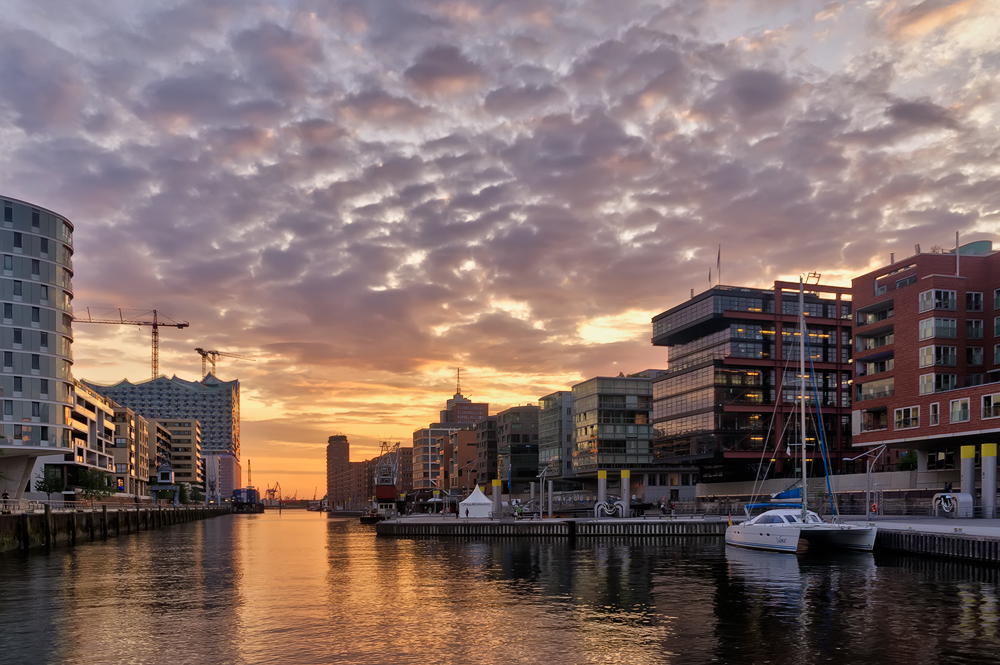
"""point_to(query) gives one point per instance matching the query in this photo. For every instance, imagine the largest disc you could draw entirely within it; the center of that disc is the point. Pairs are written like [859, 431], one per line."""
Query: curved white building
[36, 335]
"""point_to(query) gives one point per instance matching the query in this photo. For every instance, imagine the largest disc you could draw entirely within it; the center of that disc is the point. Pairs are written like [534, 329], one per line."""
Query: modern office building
[556, 435]
[338, 454]
[486, 452]
[427, 458]
[462, 463]
[186, 451]
[461, 409]
[159, 449]
[131, 451]
[612, 419]
[213, 403]
[404, 484]
[732, 386]
[517, 448]
[927, 354]
[36, 248]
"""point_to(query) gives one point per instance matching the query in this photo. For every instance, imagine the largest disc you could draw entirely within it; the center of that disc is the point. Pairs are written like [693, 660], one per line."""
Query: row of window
[946, 299]
[959, 412]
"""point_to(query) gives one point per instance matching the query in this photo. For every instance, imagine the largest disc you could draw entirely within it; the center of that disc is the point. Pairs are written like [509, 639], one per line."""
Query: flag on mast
[718, 265]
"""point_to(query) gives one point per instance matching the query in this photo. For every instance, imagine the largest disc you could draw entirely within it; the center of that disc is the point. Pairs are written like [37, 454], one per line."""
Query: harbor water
[307, 588]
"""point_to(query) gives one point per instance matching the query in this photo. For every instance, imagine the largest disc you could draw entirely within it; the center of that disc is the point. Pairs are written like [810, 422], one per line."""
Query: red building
[927, 355]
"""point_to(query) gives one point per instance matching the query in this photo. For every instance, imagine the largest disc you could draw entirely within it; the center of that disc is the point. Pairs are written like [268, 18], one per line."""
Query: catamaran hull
[794, 538]
[775, 539]
[840, 536]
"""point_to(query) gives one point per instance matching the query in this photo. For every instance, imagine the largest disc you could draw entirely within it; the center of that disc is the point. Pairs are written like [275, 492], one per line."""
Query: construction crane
[140, 319]
[213, 356]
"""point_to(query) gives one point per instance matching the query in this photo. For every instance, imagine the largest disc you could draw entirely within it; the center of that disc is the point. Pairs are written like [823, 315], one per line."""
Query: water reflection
[301, 588]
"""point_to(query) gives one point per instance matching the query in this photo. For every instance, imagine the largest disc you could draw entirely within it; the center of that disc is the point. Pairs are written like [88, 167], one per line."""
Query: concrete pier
[420, 526]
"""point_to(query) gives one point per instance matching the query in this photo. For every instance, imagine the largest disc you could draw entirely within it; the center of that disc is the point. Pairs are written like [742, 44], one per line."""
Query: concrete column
[989, 451]
[551, 485]
[497, 501]
[532, 490]
[626, 491]
[602, 486]
[921, 460]
[969, 470]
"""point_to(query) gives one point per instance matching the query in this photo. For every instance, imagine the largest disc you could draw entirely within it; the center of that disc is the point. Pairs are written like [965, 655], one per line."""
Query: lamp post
[871, 461]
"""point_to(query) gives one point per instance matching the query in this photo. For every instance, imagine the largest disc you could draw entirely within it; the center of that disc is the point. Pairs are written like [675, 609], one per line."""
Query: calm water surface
[303, 588]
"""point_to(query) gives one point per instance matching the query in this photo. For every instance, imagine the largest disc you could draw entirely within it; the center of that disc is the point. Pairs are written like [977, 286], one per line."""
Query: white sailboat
[794, 528]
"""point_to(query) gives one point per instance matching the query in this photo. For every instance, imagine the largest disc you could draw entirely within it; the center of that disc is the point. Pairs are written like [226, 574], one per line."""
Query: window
[44, 292]
[937, 299]
[960, 410]
[8, 359]
[938, 355]
[8, 407]
[17, 336]
[36, 267]
[18, 288]
[8, 213]
[43, 245]
[36, 314]
[996, 327]
[121, 468]
[996, 299]
[935, 416]
[943, 382]
[36, 361]
[36, 410]
[43, 387]
[908, 417]
[18, 240]
[926, 329]
[8, 310]
[8, 262]
[974, 355]
[35, 219]
[973, 302]
[17, 384]
[974, 329]
[996, 354]
[991, 406]
[926, 384]
[43, 340]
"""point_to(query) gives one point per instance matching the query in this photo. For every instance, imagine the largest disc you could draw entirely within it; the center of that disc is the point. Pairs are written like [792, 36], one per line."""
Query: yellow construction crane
[213, 356]
[141, 318]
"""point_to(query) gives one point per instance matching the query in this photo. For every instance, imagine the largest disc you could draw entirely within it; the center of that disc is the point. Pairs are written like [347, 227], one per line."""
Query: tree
[95, 484]
[197, 496]
[50, 482]
[907, 461]
[185, 492]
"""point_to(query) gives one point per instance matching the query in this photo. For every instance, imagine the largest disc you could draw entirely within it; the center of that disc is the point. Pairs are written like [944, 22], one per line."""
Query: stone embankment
[551, 528]
[48, 529]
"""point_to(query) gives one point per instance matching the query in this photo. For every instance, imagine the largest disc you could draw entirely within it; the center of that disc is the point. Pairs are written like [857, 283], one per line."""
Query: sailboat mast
[802, 389]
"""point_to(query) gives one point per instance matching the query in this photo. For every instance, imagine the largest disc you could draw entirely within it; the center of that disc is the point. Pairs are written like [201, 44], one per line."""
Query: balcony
[866, 395]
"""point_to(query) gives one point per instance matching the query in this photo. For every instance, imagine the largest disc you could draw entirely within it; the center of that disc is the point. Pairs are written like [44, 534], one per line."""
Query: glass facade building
[733, 380]
[612, 420]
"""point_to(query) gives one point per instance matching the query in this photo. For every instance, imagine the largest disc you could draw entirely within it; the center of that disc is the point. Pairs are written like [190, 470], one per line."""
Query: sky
[364, 195]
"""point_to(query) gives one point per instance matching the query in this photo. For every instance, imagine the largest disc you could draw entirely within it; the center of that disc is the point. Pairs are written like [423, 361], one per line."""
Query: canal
[304, 588]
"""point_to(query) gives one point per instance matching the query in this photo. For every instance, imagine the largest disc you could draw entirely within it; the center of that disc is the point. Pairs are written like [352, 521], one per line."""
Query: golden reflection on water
[304, 588]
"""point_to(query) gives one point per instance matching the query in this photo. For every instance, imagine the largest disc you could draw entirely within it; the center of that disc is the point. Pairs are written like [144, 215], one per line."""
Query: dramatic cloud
[365, 195]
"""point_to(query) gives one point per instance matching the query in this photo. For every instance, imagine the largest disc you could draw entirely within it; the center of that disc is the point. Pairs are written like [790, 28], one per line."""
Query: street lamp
[467, 476]
[871, 461]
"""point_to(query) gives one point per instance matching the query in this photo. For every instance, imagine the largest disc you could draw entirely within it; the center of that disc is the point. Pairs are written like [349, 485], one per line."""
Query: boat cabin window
[791, 519]
[815, 519]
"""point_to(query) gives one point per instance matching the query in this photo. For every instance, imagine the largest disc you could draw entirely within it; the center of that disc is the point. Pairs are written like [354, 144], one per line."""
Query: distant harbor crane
[213, 356]
[156, 323]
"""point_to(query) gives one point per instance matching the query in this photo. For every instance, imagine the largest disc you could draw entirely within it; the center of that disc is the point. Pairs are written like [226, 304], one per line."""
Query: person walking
[466, 513]
[6, 497]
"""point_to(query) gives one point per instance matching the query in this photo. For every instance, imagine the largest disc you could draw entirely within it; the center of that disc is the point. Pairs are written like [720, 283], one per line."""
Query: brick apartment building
[927, 354]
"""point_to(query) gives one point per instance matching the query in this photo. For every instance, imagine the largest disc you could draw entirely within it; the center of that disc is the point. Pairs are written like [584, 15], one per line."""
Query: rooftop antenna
[458, 382]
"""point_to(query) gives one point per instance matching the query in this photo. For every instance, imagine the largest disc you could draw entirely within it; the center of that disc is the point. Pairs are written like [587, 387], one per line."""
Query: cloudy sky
[365, 194]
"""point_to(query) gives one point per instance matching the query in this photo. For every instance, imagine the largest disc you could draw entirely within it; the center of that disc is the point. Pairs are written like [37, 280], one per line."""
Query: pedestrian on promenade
[5, 497]
[466, 513]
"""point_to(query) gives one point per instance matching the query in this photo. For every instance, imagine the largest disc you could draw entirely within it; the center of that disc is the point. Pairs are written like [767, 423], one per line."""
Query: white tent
[478, 505]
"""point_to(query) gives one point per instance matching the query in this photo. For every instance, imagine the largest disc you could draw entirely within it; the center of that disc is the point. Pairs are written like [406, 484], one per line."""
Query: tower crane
[213, 356]
[142, 318]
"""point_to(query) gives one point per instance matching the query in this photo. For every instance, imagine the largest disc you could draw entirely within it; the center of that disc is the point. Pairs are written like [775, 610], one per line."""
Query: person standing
[6, 497]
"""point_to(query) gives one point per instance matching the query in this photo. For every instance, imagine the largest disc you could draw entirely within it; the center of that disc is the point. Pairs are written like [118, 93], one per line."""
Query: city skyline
[363, 196]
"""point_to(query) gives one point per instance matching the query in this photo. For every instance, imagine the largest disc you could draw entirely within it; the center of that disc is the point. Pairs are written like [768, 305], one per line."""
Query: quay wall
[25, 531]
[550, 528]
[985, 549]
